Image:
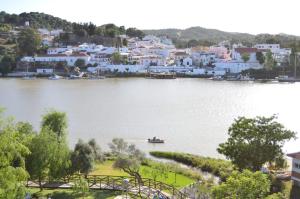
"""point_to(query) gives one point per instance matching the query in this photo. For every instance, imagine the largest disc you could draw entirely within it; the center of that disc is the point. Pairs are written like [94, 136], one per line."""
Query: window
[297, 165]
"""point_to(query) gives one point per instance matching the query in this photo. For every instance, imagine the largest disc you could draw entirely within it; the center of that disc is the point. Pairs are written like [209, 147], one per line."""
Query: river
[192, 115]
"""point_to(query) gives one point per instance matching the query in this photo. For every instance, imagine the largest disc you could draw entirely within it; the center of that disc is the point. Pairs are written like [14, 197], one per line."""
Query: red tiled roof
[246, 50]
[294, 155]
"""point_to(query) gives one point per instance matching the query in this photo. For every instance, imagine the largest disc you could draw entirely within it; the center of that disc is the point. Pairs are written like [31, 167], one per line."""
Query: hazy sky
[251, 16]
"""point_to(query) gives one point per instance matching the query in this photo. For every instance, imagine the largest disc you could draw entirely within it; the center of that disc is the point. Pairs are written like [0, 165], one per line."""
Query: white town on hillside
[154, 54]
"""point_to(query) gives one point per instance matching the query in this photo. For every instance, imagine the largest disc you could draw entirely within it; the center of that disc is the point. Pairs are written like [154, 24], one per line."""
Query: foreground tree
[82, 158]
[39, 161]
[129, 158]
[246, 185]
[28, 41]
[12, 160]
[81, 187]
[255, 141]
[55, 123]
[97, 153]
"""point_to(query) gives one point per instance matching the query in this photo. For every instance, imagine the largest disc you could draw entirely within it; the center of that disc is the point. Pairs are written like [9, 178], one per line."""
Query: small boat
[287, 79]
[80, 76]
[217, 78]
[155, 140]
[245, 78]
[28, 78]
[54, 77]
[162, 75]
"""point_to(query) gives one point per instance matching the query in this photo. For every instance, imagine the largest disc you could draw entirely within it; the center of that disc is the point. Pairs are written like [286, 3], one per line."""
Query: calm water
[192, 115]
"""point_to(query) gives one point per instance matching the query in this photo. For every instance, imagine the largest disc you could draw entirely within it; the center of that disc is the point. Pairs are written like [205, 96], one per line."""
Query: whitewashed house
[45, 71]
[237, 64]
[153, 60]
[63, 50]
[180, 56]
[279, 54]
[69, 59]
[237, 54]
[295, 176]
[220, 51]
[203, 58]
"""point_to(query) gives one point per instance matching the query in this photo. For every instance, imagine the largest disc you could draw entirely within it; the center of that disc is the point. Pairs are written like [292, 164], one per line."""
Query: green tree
[260, 57]
[116, 58]
[79, 63]
[245, 57]
[270, 62]
[81, 186]
[133, 32]
[7, 64]
[42, 153]
[97, 153]
[246, 185]
[82, 158]
[129, 158]
[255, 141]
[5, 27]
[125, 42]
[29, 41]
[12, 175]
[56, 122]
[157, 170]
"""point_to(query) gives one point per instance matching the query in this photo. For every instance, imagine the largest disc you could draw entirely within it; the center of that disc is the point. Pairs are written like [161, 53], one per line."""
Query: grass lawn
[69, 194]
[106, 168]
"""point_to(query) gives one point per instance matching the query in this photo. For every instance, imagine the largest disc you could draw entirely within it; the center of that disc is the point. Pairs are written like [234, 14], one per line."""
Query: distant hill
[199, 33]
[215, 36]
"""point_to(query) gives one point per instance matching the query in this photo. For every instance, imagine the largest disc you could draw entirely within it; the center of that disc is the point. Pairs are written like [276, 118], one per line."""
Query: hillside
[36, 19]
[199, 33]
[215, 36]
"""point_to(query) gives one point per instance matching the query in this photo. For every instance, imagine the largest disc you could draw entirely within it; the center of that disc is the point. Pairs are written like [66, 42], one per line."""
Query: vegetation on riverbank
[218, 167]
[177, 178]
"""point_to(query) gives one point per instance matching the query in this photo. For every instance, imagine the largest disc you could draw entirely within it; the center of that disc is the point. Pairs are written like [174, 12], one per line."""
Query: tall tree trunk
[40, 184]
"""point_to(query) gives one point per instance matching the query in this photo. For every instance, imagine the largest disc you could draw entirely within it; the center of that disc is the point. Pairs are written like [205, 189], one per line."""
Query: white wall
[44, 70]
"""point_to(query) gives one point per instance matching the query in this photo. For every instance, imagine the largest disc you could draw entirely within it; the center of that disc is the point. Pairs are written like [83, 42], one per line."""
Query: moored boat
[54, 77]
[162, 75]
[155, 140]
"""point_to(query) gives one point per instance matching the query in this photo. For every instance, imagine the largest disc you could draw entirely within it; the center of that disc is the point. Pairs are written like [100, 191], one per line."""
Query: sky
[247, 16]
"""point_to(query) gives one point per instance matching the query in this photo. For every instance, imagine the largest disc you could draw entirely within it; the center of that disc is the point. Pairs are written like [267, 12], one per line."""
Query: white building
[153, 60]
[237, 66]
[237, 54]
[272, 47]
[203, 58]
[180, 56]
[295, 168]
[44, 70]
[220, 51]
[280, 54]
[70, 59]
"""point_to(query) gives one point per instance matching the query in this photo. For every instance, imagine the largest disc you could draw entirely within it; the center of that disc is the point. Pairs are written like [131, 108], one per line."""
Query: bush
[218, 167]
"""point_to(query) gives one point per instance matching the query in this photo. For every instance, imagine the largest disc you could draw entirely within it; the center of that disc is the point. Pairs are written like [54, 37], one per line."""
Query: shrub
[218, 167]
